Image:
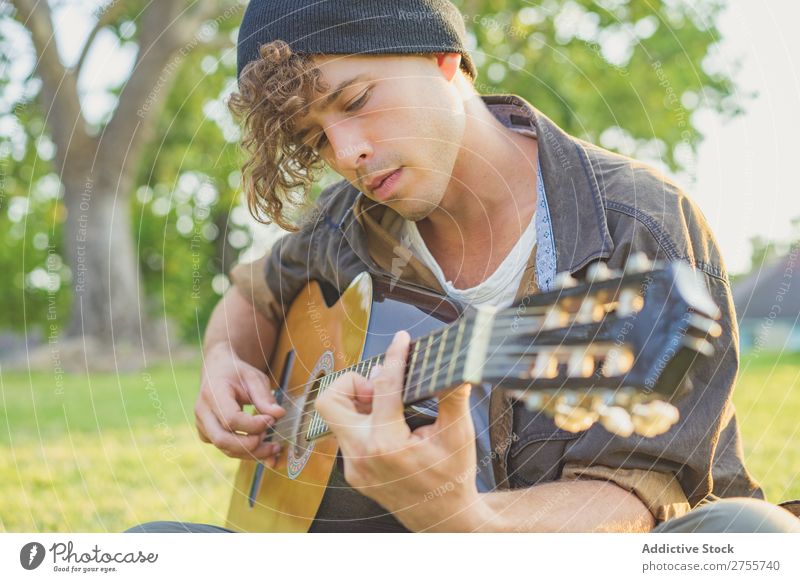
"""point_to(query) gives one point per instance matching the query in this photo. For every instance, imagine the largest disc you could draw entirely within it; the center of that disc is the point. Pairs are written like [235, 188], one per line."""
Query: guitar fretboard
[435, 363]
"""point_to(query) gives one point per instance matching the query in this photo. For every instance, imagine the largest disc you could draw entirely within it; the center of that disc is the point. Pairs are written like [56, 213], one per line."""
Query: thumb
[454, 406]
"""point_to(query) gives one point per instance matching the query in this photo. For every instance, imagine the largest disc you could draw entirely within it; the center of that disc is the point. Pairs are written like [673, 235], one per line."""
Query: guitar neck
[436, 362]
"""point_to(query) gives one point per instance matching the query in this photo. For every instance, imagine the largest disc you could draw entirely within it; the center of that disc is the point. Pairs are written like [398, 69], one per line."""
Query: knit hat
[349, 27]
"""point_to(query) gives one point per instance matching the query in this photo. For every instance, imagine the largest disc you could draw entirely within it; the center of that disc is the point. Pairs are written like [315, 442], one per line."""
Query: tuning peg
[704, 324]
[654, 418]
[597, 272]
[590, 311]
[573, 418]
[616, 420]
[545, 366]
[638, 263]
[629, 302]
[555, 317]
[699, 345]
[579, 364]
[618, 361]
[564, 280]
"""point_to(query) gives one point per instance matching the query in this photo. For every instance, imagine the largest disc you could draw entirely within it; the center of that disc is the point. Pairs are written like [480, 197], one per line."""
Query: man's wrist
[218, 348]
[473, 515]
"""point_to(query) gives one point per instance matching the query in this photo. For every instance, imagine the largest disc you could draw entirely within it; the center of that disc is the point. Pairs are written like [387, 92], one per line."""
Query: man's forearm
[236, 325]
[565, 506]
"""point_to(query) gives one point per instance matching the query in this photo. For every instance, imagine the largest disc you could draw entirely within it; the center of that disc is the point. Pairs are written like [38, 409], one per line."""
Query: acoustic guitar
[613, 348]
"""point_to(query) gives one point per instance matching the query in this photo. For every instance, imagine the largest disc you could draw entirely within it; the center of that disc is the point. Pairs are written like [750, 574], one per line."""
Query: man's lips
[376, 182]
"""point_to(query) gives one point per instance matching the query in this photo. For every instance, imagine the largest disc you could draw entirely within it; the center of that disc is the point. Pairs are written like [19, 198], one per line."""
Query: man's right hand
[227, 384]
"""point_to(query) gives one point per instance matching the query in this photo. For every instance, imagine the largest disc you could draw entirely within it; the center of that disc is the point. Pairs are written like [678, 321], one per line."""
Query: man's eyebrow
[334, 95]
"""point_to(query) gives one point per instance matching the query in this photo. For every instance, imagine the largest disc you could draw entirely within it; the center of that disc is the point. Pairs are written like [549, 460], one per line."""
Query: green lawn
[105, 452]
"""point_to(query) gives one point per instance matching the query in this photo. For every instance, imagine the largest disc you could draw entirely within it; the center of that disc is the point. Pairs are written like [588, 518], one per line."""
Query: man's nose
[351, 149]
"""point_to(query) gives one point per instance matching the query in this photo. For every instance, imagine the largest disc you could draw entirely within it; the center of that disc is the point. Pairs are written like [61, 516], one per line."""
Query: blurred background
[121, 213]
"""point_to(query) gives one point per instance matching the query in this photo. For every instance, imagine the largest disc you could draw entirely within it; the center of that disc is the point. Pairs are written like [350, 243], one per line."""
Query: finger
[337, 404]
[387, 400]
[267, 452]
[259, 393]
[232, 444]
[363, 393]
[198, 421]
[454, 407]
[233, 418]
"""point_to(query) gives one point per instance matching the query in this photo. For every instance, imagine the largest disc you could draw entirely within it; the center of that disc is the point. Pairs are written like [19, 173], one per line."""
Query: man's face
[399, 114]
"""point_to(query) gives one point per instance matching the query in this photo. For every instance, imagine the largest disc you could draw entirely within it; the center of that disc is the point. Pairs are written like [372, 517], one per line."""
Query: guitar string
[429, 369]
[425, 374]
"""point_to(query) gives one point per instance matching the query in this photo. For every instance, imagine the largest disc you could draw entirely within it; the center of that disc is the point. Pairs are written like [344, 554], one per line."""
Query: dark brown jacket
[598, 206]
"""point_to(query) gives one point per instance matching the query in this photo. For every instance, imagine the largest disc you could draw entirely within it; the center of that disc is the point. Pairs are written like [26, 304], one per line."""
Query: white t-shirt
[499, 288]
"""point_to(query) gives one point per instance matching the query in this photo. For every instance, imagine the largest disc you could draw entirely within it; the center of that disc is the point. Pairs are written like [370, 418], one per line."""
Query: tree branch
[59, 86]
[107, 17]
[142, 98]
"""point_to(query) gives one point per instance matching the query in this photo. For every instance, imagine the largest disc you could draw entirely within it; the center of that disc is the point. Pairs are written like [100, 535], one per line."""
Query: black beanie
[350, 27]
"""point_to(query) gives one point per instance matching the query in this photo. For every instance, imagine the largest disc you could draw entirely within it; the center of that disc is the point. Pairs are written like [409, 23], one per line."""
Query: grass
[767, 399]
[104, 452]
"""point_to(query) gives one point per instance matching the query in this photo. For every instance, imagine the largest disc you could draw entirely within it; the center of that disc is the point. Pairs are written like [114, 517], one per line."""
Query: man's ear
[449, 64]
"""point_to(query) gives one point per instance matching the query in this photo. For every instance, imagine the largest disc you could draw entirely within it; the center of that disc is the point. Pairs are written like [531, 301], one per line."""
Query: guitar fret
[412, 366]
[455, 357]
[418, 388]
[438, 361]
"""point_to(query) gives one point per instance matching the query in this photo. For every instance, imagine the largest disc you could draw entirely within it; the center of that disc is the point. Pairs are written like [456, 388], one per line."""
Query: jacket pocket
[536, 454]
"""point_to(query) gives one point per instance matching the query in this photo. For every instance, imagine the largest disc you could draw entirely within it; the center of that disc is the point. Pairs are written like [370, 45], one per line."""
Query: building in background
[768, 305]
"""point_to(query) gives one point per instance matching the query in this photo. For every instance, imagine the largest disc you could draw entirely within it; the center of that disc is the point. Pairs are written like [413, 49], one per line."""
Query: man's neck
[492, 191]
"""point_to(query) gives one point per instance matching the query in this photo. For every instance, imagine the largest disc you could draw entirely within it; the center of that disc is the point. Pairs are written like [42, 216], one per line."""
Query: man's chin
[414, 210]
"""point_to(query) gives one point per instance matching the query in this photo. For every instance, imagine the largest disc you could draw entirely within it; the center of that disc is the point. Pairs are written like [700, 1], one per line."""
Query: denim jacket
[598, 206]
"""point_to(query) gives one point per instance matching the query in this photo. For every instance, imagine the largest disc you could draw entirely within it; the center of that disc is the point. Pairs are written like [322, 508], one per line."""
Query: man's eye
[358, 103]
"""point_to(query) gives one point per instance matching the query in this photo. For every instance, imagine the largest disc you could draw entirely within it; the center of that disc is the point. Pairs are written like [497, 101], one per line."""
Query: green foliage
[31, 218]
[189, 189]
[625, 74]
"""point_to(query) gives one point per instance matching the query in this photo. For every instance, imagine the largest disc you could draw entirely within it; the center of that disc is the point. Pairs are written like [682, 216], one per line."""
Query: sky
[745, 181]
[744, 168]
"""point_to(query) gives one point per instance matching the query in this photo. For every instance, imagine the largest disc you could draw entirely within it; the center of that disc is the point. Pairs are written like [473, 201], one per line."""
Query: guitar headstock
[613, 349]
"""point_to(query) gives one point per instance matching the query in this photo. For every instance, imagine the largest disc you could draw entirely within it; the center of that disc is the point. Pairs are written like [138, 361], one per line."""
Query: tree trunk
[107, 300]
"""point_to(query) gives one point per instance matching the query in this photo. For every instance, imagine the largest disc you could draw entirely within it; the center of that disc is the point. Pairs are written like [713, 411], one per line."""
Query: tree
[157, 178]
[98, 165]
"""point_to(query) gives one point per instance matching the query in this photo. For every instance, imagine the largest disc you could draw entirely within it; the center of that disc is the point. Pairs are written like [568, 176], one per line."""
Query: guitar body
[315, 340]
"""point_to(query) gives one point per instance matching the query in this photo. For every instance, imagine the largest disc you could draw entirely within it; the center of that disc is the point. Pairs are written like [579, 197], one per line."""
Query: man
[481, 197]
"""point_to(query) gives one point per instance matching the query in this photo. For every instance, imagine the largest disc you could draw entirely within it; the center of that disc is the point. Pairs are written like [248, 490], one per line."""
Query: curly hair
[274, 93]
